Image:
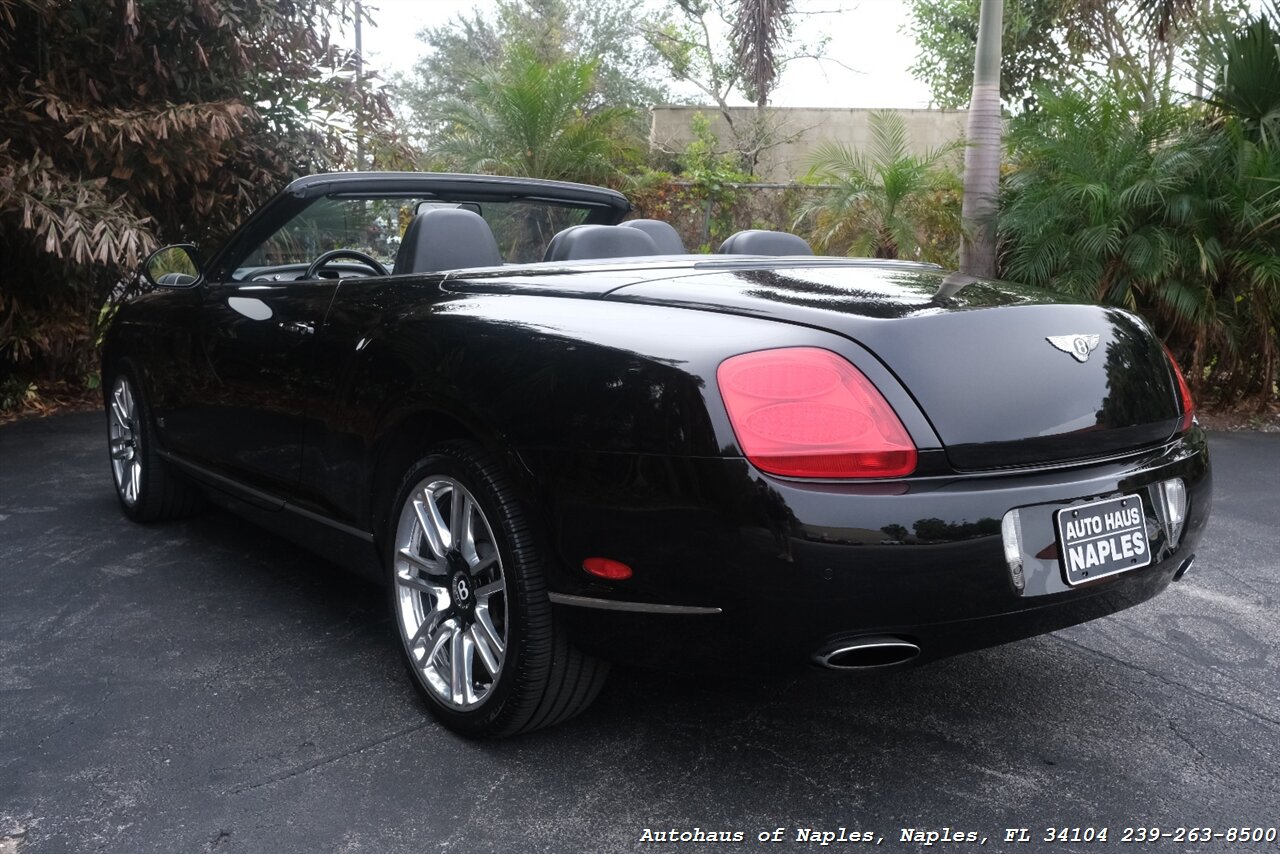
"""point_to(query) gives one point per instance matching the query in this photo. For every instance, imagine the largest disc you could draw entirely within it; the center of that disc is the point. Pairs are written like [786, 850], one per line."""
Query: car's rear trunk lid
[1004, 379]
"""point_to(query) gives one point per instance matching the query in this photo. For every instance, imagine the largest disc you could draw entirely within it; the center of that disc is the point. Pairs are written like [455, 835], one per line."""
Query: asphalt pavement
[205, 686]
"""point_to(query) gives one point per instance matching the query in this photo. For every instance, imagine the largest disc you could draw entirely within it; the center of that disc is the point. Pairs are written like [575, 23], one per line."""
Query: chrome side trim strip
[266, 498]
[275, 502]
[639, 607]
[325, 520]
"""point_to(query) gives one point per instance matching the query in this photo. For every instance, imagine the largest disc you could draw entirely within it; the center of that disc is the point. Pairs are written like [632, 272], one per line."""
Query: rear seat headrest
[582, 242]
[759, 242]
[662, 233]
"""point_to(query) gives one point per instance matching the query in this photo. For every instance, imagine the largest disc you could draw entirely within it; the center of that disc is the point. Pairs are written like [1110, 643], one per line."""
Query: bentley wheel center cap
[461, 590]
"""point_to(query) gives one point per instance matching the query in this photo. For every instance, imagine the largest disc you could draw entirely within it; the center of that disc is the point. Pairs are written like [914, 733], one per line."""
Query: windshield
[375, 226]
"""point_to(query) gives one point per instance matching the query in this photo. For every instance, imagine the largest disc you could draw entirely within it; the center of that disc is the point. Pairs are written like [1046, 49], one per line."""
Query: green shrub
[1167, 210]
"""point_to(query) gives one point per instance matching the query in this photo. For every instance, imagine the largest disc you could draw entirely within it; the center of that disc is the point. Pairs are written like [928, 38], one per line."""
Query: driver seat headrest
[446, 239]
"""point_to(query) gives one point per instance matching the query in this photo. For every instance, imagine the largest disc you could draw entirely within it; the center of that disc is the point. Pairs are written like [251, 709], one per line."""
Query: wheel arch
[409, 437]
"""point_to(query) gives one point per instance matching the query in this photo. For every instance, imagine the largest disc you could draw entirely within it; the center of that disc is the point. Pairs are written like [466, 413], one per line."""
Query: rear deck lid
[1006, 375]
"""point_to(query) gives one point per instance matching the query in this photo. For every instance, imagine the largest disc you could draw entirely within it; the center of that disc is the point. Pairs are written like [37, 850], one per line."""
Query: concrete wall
[802, 129]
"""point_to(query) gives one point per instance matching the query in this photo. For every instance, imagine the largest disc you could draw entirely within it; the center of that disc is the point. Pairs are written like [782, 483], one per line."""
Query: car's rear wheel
[148, 489]
[477, 632]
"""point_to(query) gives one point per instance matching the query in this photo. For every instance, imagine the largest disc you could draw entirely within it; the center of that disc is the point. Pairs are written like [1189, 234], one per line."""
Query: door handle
[301, 327]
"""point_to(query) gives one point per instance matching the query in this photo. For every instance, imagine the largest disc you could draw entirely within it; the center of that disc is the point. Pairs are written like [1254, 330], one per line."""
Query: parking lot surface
[205, 686]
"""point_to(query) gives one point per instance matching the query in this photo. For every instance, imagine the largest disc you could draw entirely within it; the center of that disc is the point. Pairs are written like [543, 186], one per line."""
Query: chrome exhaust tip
[869, 653]
[1184, 569]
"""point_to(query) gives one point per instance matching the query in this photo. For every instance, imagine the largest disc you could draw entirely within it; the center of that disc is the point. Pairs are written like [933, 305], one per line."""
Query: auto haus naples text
[925, 837]
[1106, 536]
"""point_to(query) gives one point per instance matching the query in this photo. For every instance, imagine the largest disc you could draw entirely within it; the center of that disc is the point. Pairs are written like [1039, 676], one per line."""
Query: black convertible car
[561, 440]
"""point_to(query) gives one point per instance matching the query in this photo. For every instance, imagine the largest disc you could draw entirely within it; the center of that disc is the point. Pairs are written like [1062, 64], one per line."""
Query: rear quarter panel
[525, 372]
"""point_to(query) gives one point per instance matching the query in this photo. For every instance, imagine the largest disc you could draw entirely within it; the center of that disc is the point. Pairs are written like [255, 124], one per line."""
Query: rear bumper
[795, 568]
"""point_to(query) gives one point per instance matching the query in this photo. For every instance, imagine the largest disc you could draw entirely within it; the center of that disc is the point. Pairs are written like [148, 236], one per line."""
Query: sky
[867, 65]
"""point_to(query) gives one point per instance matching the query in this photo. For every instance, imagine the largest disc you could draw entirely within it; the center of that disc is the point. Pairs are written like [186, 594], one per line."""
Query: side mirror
[173, 267]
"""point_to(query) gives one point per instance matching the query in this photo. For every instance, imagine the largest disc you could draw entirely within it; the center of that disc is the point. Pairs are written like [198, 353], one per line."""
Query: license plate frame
[1097, 539]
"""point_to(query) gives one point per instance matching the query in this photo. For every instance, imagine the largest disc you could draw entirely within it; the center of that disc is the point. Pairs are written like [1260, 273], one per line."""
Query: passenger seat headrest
[759, 242]
[446, 239]
[662, 233]
[583, 242]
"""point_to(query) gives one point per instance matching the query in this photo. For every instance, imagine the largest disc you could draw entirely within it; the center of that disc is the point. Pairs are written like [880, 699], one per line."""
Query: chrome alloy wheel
[451, 596]
[124, 437]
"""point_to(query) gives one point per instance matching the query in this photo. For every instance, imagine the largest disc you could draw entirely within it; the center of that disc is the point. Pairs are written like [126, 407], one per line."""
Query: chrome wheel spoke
[468, 669]
[484, 628]
[482, 563]
[442, 633]
[426, 631]
[430, 567]
[483, 593]
[487, 658]
[455, 667]
[117, 412]
[407, 578]
[432, 524]
[460, 536]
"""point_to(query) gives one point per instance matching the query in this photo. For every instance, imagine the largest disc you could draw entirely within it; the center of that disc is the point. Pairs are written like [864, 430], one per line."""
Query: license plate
[1102, 538]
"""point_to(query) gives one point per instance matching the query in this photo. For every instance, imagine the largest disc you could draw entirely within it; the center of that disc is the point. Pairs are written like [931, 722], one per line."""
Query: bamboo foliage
[128, 123]
[73, 220]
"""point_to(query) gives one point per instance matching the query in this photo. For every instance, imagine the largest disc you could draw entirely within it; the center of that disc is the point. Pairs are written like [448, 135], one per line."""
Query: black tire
[543, 679]
[159, 492]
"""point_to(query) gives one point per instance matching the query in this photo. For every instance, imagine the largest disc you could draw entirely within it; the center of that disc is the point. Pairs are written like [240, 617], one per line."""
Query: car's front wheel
[477, 632]
[148, 489]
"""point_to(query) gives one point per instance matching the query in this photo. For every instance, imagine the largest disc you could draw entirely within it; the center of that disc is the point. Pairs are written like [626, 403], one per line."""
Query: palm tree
[879, 194]
[760, 27]
[534, 119]
[982, 155]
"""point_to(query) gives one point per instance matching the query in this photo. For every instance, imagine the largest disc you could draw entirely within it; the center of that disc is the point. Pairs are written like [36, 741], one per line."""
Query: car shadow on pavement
[299, 584]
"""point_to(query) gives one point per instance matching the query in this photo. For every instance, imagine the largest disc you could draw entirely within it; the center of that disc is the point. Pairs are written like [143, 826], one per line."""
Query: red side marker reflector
[603, 567]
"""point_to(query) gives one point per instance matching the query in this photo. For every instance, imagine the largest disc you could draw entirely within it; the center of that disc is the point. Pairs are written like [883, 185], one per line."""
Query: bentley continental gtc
[560, 439]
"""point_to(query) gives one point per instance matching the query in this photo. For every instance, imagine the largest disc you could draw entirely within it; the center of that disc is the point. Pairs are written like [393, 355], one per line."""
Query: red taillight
[603, 567]
[806, 412]
[1184, 391]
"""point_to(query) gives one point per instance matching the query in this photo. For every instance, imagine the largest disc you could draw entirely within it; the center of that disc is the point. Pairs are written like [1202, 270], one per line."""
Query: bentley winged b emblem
[1079, 346]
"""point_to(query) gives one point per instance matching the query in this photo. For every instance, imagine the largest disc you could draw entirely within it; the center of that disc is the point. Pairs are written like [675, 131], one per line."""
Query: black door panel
[243, 412]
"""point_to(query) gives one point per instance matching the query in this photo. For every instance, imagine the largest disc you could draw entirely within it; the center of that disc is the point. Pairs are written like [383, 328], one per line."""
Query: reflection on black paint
[938, 531]
[1132, 363]
[889, 294]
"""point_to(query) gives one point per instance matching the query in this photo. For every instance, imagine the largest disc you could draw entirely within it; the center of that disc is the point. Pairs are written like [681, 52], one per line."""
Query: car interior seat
[760, 242]
[446, 239]
[583, 242]
[662, 233]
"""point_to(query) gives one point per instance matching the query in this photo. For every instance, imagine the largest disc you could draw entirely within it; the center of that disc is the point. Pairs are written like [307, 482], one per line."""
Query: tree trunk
[982, 154]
